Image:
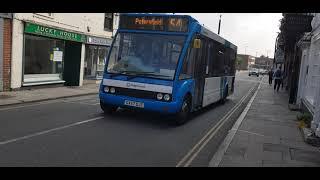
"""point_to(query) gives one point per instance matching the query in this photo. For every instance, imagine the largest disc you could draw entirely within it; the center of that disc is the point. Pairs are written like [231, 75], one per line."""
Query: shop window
[95, 61]
[108, 21]
[43, 56]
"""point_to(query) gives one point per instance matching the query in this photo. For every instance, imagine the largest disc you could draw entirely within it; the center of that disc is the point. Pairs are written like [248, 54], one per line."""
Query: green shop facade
[52, 55]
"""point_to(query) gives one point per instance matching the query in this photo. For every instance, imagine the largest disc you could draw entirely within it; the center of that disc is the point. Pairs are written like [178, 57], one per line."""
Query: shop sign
[98, 41]
[54, 33]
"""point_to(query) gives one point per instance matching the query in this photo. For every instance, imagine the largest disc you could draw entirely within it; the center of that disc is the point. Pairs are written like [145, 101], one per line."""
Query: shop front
[51, 56]
[95, 55]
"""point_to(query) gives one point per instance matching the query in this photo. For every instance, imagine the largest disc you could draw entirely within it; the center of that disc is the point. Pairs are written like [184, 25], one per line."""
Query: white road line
[209, 132]
[222, 122]
[216, 159]
[48, 131]
[202, 139]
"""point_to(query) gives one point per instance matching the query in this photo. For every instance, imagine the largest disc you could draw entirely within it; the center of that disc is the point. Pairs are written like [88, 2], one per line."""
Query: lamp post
[219, 24]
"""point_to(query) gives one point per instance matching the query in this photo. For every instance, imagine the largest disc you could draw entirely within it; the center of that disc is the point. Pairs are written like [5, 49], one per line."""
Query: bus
[166, 63]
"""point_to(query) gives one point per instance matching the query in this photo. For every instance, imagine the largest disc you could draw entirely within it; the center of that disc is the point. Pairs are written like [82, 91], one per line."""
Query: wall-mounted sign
[98, 41]
[279, 56]
[57, 56]
[54, 33]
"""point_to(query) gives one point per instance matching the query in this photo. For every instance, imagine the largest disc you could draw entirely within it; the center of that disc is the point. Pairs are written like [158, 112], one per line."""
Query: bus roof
[204, 31]
[216, 37]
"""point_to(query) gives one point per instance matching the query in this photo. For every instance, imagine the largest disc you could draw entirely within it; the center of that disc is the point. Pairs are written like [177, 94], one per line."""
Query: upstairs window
[108, 21]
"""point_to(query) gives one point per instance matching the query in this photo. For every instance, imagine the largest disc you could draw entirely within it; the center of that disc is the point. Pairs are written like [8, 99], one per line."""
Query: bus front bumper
[171, 107]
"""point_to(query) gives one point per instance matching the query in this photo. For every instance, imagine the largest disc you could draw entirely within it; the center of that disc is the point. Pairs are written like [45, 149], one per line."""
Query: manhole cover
[4, 96]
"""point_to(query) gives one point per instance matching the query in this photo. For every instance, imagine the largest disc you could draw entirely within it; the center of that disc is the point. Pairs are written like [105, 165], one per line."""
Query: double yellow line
[192, 154]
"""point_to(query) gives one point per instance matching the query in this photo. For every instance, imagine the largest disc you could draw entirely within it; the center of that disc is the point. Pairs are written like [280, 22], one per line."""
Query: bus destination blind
[155, 23]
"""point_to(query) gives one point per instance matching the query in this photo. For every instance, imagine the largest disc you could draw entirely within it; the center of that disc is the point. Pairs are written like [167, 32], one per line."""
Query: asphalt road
[74, 132]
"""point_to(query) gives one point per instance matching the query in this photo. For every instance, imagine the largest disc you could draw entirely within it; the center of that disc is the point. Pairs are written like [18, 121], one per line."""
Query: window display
[43, 58]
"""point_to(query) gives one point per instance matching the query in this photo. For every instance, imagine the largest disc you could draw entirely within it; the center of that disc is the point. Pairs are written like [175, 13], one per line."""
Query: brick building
[244, 61]
[264, 61]
[5, 50]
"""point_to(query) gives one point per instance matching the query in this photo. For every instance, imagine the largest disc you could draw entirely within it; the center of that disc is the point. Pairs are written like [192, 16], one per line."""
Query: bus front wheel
[107, 109]
[184, 113]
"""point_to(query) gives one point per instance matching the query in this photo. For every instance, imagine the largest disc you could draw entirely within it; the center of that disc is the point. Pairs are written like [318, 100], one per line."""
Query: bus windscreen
[155, 23]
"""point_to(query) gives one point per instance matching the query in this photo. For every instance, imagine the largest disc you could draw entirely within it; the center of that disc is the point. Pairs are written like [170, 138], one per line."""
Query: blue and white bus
[166, 63]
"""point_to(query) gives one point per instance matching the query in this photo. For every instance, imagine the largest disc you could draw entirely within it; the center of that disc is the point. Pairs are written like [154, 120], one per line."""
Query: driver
[143, 53]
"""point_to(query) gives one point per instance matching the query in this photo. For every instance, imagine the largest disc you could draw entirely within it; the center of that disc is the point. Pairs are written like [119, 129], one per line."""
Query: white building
[309, 80]
[53, 48]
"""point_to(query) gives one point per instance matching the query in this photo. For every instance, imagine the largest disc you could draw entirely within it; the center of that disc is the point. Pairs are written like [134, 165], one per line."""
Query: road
[74, 132]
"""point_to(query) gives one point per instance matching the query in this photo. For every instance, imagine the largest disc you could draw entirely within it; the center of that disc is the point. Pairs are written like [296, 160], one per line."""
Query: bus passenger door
[199, 72]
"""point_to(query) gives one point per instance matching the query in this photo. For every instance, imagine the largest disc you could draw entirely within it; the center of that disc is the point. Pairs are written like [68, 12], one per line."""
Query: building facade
[5, 50]
[244, 61]
[264, 62]
[292, 27]
[59, 48]
[309, 79]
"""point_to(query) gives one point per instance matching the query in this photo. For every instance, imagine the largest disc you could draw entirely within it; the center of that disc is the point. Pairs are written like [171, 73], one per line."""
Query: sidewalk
[267, 136]
[43, 94]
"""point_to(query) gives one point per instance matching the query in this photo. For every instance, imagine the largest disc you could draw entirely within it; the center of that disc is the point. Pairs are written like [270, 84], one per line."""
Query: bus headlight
[112, 90]
[166, 97]
[106, 89]
[159, 96]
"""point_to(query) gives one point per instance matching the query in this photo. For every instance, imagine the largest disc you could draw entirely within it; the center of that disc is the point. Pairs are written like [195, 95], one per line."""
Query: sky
[253, 33]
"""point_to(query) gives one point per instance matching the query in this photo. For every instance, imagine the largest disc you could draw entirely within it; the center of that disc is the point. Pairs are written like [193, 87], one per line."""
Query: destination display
[155, 23]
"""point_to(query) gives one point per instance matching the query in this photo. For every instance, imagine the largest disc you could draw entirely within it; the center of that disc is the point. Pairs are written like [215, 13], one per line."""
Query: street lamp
[219, 24]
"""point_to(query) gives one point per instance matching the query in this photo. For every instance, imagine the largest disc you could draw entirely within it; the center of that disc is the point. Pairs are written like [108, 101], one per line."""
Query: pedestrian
[270, 73]
[277, 79]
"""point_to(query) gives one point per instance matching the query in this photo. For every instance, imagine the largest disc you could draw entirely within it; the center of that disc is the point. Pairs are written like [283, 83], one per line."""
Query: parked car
[254, 71]
[263, 72]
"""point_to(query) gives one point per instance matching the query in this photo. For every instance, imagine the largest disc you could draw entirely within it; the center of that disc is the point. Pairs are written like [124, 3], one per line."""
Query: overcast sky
[254, 33]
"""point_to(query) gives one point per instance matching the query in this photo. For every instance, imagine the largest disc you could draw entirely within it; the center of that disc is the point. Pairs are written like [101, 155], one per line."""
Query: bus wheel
[108, 109]
[183, 116]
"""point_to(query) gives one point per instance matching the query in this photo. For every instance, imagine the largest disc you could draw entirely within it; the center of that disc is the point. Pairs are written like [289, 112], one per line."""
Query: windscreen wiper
[130, 73]
[133, 75]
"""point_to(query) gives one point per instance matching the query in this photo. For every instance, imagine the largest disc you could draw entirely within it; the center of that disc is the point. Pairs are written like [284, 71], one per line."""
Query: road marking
[210, 134]
[50, 130]
[216, 159]
[202, 139]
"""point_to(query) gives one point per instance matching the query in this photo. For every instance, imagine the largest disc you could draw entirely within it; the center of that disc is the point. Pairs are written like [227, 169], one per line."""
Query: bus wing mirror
[197, 43]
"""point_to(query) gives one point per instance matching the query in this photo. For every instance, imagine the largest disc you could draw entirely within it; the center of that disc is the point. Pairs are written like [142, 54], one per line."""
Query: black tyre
[183, 116]
[107, 109]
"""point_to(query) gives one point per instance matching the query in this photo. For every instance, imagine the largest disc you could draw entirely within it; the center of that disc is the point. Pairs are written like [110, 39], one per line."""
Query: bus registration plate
[134, 104]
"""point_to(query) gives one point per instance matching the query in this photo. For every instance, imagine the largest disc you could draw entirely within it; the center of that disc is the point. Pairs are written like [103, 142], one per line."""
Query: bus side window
[218, 61]
[188, 63]
[229, 62]
[210, 58]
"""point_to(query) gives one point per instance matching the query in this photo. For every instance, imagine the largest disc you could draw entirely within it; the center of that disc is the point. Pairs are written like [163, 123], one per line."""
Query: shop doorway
[71, 73]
